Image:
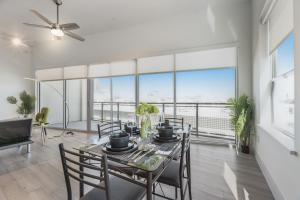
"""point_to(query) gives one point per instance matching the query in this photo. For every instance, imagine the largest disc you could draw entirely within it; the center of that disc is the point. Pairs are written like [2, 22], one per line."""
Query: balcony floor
[218, 173]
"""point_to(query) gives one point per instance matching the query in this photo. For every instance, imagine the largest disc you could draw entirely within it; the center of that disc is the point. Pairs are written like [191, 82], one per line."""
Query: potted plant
[27, 104]
[242, 110]
[145, 111]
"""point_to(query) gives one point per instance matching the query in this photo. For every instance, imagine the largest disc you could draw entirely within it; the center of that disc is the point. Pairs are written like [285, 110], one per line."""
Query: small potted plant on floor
[242, 115]
[27, 104]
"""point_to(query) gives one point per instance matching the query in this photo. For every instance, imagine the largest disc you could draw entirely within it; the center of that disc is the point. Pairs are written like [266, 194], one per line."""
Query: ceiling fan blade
[37, 26]
[58, 2]
[73, 35]
[45, 19]
[69, 26]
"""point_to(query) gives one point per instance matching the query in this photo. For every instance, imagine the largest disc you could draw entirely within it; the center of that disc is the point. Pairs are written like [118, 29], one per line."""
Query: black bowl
[119, 140]
[165, 132]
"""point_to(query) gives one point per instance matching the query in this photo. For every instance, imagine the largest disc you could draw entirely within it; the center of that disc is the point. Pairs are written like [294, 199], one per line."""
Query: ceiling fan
[58, 30]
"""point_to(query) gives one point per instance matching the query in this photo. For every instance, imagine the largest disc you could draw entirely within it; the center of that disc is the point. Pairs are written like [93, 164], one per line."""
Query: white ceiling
[93, 16]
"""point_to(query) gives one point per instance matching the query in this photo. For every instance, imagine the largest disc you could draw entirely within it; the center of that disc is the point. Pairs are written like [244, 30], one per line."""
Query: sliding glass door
[51, 96]
[158, 89]
[101, 101]
[76, 104]
[123, 98]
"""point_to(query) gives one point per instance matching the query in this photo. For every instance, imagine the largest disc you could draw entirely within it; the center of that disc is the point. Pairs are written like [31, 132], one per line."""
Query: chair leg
[153, 190]
[189, 175]
[176, 193]
[181, 190]
[181, 193]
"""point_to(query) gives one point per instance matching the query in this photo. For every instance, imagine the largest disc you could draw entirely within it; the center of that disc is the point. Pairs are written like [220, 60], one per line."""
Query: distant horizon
[203, 86]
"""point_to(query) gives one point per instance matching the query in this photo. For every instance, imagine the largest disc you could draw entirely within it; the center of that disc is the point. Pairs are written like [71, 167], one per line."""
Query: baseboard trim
[273, 186]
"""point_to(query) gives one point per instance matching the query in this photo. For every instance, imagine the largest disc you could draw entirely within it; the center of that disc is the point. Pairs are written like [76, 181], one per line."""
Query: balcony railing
[207, 119]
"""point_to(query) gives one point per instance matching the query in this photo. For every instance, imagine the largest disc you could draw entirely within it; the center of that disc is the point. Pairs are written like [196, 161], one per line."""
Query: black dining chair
[178, 152]
[106, 185]
[107, 127]
[174, 174]
[175, 121]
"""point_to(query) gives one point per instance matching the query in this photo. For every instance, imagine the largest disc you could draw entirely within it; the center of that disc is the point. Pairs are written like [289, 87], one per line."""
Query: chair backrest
[107, 127]
[75, 167]
[175, 121]
[185, 146]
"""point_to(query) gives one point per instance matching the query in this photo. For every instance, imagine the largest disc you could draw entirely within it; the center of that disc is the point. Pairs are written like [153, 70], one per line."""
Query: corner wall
[15, 65]
[281, 169]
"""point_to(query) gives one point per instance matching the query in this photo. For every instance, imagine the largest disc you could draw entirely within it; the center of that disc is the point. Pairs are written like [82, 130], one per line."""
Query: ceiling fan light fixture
[57, 32]
[16, 41]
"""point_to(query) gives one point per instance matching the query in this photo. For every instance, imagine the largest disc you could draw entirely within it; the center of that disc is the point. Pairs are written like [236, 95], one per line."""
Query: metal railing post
[163, 107]
[102, 112]
[118, 111]
[197, 119]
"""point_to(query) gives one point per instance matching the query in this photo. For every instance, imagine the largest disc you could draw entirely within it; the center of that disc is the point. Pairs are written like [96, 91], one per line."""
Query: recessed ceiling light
[16, 41]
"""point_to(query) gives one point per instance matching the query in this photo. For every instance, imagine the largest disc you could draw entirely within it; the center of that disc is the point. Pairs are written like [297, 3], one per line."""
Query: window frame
[273, 60]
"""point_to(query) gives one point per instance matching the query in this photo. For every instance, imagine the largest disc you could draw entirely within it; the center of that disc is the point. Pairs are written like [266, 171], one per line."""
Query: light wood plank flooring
[217, 172]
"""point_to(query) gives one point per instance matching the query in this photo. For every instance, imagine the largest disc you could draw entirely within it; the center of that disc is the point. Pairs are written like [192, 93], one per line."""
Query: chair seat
[120, 190]
[171, 175]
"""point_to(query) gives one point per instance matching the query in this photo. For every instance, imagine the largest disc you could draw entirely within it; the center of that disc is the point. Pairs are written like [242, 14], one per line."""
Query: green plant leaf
[12, 100]
[242, 117]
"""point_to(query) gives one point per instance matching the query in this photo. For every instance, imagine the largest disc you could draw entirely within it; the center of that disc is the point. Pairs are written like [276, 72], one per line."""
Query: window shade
[75, 72]
[156, 64]
[216, 58]
[281, 22]
[100, 70]
[49, 74]
[122, 68]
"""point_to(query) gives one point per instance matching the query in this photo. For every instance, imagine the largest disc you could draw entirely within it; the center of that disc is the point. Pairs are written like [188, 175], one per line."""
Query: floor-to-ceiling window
[198, 84]
[158, 89]
[123, 98]
[101, 100]
[76, 104]
[51, 96]
[204, 93]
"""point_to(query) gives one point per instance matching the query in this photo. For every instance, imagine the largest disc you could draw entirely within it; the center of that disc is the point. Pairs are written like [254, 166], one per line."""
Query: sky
[206, 86]
[285, 55]
[213, 86]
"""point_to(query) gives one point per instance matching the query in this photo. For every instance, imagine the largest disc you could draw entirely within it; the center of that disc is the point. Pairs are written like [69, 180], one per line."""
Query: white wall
[15, 65]
[281, 169]
[212, 27]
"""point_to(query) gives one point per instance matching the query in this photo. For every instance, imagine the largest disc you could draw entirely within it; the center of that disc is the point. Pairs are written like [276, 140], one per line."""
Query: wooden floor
[217, 172]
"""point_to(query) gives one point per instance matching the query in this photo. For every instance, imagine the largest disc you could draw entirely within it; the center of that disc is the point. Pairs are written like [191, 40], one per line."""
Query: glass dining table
[149, 156]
